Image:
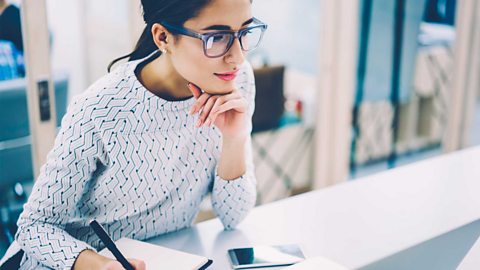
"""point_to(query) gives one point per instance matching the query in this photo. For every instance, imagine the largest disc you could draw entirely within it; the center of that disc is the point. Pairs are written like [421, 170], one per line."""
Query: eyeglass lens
[219, 44]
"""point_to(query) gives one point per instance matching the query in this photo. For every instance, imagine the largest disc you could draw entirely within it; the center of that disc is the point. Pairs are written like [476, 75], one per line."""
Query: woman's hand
[89, 259]
[116, 265]
[227, 112]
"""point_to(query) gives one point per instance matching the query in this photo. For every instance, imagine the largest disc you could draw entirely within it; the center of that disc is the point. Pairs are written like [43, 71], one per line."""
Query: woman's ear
[161, 37]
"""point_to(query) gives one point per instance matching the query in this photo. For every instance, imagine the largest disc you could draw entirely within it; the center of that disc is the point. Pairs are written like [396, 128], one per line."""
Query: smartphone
[265, 256]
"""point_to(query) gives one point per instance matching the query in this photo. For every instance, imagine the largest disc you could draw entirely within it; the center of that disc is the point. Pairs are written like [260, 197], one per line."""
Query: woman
[11, 43]
[138, 152]
[11, 24]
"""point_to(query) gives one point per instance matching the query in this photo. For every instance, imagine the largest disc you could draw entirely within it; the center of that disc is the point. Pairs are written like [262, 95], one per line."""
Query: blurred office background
[344, 88]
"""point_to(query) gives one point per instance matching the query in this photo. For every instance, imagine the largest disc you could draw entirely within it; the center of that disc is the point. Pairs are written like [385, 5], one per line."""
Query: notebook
[158, 257]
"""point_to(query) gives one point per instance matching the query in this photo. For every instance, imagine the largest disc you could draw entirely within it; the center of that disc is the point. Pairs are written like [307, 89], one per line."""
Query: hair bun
[153, 11]
[149, 9]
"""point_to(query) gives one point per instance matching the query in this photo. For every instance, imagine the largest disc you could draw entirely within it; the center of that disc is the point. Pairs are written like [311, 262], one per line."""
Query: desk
[472, 260]
[419, 215]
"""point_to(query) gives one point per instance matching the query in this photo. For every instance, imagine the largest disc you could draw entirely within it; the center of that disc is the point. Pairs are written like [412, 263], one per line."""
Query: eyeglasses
[217, 44]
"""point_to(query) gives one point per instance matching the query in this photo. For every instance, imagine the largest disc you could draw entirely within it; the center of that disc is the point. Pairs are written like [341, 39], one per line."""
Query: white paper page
[156, 257]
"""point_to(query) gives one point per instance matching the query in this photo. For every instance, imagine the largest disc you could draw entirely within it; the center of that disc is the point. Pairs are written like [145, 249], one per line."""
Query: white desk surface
[472, 259]
[358, 222]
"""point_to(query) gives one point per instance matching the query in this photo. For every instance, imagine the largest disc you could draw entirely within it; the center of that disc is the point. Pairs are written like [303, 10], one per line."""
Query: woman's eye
[244, 33]
[218, 38]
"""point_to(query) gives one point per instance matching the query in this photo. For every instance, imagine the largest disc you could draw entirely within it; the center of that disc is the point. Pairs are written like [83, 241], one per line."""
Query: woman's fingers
[116, 265]
[212, 119]
[226, 98]
[194, 89]
[201, 101]
[201, 97]
[213, 105]
[224, 103]
[206, 111]
[137, 264]
[238, 105]
[219, 102]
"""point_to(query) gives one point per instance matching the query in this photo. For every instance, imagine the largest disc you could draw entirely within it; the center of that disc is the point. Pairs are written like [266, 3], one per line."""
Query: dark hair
[175, 12]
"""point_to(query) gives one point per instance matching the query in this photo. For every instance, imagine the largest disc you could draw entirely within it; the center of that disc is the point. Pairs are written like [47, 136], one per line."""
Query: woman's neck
[160, 77]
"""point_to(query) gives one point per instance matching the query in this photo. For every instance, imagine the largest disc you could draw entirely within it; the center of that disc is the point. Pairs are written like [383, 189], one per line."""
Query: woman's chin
[221, 88]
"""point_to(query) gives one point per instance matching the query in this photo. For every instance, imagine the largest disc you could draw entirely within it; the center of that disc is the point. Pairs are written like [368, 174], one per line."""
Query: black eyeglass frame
[205, 36]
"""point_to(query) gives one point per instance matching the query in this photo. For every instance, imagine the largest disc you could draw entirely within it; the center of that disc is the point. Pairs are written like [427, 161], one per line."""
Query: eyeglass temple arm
[181, 30]
[257, 21]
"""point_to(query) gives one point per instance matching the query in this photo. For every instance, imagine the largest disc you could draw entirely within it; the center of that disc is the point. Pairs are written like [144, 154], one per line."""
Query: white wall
[68, 47]
[108, 34]
[293, 34]
[87, 35]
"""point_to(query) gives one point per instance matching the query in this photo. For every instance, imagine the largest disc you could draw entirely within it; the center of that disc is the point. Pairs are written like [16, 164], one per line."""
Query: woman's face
[187, 55]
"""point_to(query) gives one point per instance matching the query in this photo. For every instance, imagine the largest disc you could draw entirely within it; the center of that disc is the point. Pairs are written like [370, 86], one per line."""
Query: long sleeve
[232, 200]
[62, 182]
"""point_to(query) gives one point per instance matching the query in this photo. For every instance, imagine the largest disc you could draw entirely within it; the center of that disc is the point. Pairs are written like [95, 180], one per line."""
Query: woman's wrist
[232, 161]
[235, 140]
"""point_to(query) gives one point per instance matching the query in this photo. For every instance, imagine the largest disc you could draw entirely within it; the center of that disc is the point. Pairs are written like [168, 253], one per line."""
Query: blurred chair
[281, 144]
[269, 99]
[440, 11]
[15, 146]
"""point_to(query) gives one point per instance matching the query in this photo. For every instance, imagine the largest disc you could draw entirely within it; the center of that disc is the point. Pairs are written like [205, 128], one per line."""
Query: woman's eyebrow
[226, 27]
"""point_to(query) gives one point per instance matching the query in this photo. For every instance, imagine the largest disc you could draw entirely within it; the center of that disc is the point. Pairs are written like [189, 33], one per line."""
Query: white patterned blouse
[135, 163]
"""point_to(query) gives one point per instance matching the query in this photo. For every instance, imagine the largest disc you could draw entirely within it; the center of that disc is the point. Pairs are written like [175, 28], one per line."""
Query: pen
[107, 241]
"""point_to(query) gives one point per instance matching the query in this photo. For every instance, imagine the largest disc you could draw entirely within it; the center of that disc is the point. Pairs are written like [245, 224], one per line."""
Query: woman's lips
[227, 76]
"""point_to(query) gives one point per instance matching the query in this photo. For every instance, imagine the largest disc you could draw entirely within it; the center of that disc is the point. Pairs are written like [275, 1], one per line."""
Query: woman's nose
[235, 54]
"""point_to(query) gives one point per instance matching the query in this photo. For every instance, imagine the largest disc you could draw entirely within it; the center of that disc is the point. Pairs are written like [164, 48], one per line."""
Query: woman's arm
[232, 162]
[234, 188]
[60, 185]
[234, 191]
